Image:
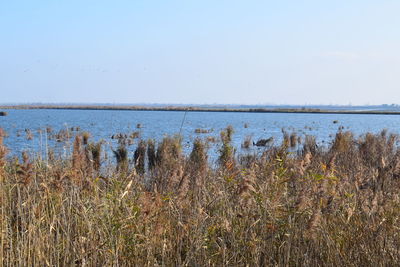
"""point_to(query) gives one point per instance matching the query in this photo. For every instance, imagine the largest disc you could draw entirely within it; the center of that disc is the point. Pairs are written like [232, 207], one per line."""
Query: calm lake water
[102, 124]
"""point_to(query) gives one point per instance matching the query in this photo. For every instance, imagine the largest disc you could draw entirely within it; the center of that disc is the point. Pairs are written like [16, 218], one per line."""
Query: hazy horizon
[226, 52]
[392, 105]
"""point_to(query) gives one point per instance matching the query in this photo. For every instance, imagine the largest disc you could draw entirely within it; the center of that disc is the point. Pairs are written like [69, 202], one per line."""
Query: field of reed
[290, 204]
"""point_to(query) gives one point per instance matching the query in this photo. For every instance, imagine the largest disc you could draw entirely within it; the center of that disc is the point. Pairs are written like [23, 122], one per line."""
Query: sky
[299, 52]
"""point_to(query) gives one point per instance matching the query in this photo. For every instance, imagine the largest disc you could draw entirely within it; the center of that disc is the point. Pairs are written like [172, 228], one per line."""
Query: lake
[102, 124]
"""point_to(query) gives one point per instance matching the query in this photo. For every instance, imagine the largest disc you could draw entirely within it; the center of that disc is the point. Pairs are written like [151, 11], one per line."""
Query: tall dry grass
[332, 206]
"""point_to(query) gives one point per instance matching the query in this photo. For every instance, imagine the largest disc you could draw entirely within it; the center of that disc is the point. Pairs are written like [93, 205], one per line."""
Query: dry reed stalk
[310, 144]
[81, 164]
[314, 223]
[305, 162]
[3, 152]
[183, 186]
[25, 170]
[285, 140]
[169, 163]
[302, 202]
[151, 154]
[76, 153]
[139, 157]
[245, 191]
[94, 151]
[315, 208]
[226, 152]
[151, 206]
[293, 140]
[342, 141]
[121, 156]
[247, 142]
[331, 167]
[85, 138]
[3, 234]
[197, 166]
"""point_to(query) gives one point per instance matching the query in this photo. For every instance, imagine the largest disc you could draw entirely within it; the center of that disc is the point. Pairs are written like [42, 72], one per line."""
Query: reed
[226, 151]
[168, 173]
[121, 156]
[140, 156]
[77, 153]
[94, 149]
[85, 137]
[134, 135]
[151, 154]
[246, 142]
[293, 140]
[286, 139]
[342, 141]
[197, 167]
[3, 153]
[202, 131]
[317, 206]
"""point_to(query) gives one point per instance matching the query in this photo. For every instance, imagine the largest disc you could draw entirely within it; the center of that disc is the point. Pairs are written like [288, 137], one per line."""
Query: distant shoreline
[202, 109]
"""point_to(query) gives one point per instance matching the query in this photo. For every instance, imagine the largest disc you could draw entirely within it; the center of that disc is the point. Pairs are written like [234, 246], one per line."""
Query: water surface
[102, 124]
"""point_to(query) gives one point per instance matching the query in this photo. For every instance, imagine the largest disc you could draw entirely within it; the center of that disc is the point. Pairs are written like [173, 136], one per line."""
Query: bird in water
[263, 142]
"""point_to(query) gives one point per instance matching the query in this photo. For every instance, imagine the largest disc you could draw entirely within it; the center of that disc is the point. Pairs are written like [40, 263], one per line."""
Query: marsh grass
[246, 142]
[140, 157]
[333, 206]
[226, 152]
[94, 150]
[203, 131]
[121, 156]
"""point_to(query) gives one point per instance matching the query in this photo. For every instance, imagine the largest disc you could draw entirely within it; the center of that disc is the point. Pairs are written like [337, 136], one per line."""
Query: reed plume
[226, 152]
[335, 205]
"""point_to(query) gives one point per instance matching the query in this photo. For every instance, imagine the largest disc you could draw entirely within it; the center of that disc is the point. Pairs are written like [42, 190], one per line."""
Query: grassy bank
[292, 204]
[202, 109]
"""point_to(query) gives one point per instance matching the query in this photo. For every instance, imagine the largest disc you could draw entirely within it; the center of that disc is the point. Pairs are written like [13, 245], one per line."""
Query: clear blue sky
[208, 51]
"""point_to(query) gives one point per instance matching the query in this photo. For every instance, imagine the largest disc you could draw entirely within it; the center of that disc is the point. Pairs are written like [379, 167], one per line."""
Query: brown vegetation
[332, 206]
[202, 131]
[246, 142]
